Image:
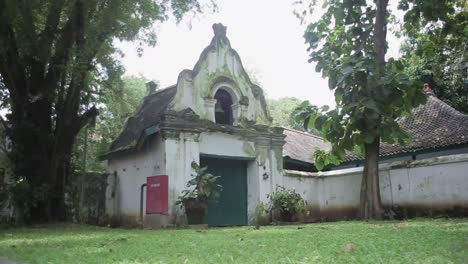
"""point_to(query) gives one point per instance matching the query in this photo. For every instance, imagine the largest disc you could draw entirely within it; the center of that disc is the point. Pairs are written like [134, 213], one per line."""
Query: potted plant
[201, 189]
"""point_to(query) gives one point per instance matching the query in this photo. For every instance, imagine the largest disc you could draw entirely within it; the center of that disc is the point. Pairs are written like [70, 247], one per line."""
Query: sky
[265, 33]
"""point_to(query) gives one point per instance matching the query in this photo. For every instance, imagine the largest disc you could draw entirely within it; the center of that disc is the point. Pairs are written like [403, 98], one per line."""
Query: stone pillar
[182, 148]
[276, 154]
[264, 168]
[236, 114]
[244, 109]
[210, 108]
[191, 152]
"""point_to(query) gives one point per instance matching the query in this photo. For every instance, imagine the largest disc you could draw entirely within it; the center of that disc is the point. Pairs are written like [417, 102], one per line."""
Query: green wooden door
[231, 208]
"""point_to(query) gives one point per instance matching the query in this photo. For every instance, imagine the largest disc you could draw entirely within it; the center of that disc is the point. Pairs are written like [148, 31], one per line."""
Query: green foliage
[288, 201]
[368, 101]
[262, 216]
[118, 104]
[57, 59]
[202, 187]
[303, 117]
[284, 113]
[435, 50]
[18, 195]
[415, 241]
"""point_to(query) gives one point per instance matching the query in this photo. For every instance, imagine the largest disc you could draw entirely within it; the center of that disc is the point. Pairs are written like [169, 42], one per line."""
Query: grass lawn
[415, 241]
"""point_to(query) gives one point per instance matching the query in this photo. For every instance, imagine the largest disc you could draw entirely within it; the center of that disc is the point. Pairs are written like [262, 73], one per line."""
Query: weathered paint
[175, 152]
[433, 185]
[127, 174]
[249, 149]
[220, 66]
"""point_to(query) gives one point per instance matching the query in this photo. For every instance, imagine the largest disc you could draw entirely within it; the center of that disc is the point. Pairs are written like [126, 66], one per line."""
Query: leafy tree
[436, 49]
[300, 117]
[55, 56]
[348, 45]
[281, 110]
[118, 104]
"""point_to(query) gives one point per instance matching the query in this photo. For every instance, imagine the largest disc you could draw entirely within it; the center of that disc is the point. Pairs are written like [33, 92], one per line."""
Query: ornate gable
[218, 88]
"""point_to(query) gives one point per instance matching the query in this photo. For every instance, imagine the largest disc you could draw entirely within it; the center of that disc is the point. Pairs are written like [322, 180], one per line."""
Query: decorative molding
[244, 100]
[191, 136]
[170, 134]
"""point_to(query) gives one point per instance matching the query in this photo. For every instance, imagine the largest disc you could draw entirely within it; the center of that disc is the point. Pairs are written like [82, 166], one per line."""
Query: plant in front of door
[288, 203]
[201, 189]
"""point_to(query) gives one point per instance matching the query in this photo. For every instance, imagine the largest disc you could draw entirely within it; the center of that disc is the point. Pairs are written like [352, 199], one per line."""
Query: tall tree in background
[436, 47]
[118, 103]
[54, 54]
[282, 110]
[348, 45]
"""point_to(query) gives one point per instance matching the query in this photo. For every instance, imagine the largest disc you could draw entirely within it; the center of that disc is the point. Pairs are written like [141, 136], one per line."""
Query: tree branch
[88, 117]
[51, 26]
[10, 63]
[29, 28]
[59, 61]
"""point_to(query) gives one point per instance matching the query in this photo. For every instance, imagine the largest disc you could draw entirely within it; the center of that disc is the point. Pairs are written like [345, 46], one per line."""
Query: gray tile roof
[149, 114]
[301, 146]
[433, 125]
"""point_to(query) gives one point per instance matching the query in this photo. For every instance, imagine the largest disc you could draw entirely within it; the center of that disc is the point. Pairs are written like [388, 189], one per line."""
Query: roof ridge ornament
[219, 31]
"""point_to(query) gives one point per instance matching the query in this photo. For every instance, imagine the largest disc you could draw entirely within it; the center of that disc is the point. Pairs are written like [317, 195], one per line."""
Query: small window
[223, 110]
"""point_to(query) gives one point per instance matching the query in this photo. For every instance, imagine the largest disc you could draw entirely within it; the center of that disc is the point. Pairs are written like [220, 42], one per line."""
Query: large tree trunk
[371, 205]
[43, 160]
[45, 98]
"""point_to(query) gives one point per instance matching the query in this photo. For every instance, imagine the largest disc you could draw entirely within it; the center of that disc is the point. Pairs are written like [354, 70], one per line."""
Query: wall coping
[382, 167]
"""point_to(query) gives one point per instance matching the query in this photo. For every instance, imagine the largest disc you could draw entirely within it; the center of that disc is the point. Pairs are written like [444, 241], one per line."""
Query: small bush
[288, 203]
[262, 216]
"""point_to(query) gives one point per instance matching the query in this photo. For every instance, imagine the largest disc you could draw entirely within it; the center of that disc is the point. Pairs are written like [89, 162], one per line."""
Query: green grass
[416, 241]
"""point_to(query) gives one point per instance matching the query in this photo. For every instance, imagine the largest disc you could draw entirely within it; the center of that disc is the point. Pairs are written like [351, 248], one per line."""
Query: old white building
[215, 116]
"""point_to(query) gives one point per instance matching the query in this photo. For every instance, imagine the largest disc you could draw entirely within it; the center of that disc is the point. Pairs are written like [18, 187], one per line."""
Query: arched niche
[226, 110]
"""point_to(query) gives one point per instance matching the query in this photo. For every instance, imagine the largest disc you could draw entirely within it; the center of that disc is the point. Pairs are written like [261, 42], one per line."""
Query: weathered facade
[215, 116]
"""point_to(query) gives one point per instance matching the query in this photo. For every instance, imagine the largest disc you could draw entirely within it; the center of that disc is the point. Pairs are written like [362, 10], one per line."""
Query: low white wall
[437, 184]
[127, 174]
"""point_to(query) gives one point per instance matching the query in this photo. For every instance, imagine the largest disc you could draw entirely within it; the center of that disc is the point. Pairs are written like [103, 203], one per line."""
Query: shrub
[262, 215]
[287, 202]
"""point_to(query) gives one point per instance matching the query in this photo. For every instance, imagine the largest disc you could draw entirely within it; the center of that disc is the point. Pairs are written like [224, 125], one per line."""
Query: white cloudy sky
[265, 33]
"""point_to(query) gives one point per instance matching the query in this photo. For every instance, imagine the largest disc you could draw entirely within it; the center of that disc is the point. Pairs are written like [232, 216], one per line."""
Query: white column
[210, 108]
[236, 113]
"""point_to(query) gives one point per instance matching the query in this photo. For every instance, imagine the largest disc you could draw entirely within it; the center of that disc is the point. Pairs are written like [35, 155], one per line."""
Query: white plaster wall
[435, 185]
[438, 182]
[180, 153]
[339, 191]
[221, 144]
[132, 171]
[307, 187]
[253, 195]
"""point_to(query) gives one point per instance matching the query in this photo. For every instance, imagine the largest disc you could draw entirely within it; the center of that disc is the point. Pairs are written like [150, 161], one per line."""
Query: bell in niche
[219, 108]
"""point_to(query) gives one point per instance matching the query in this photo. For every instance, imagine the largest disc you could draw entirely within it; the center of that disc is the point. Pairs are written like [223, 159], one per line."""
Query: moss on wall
[249, 149]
